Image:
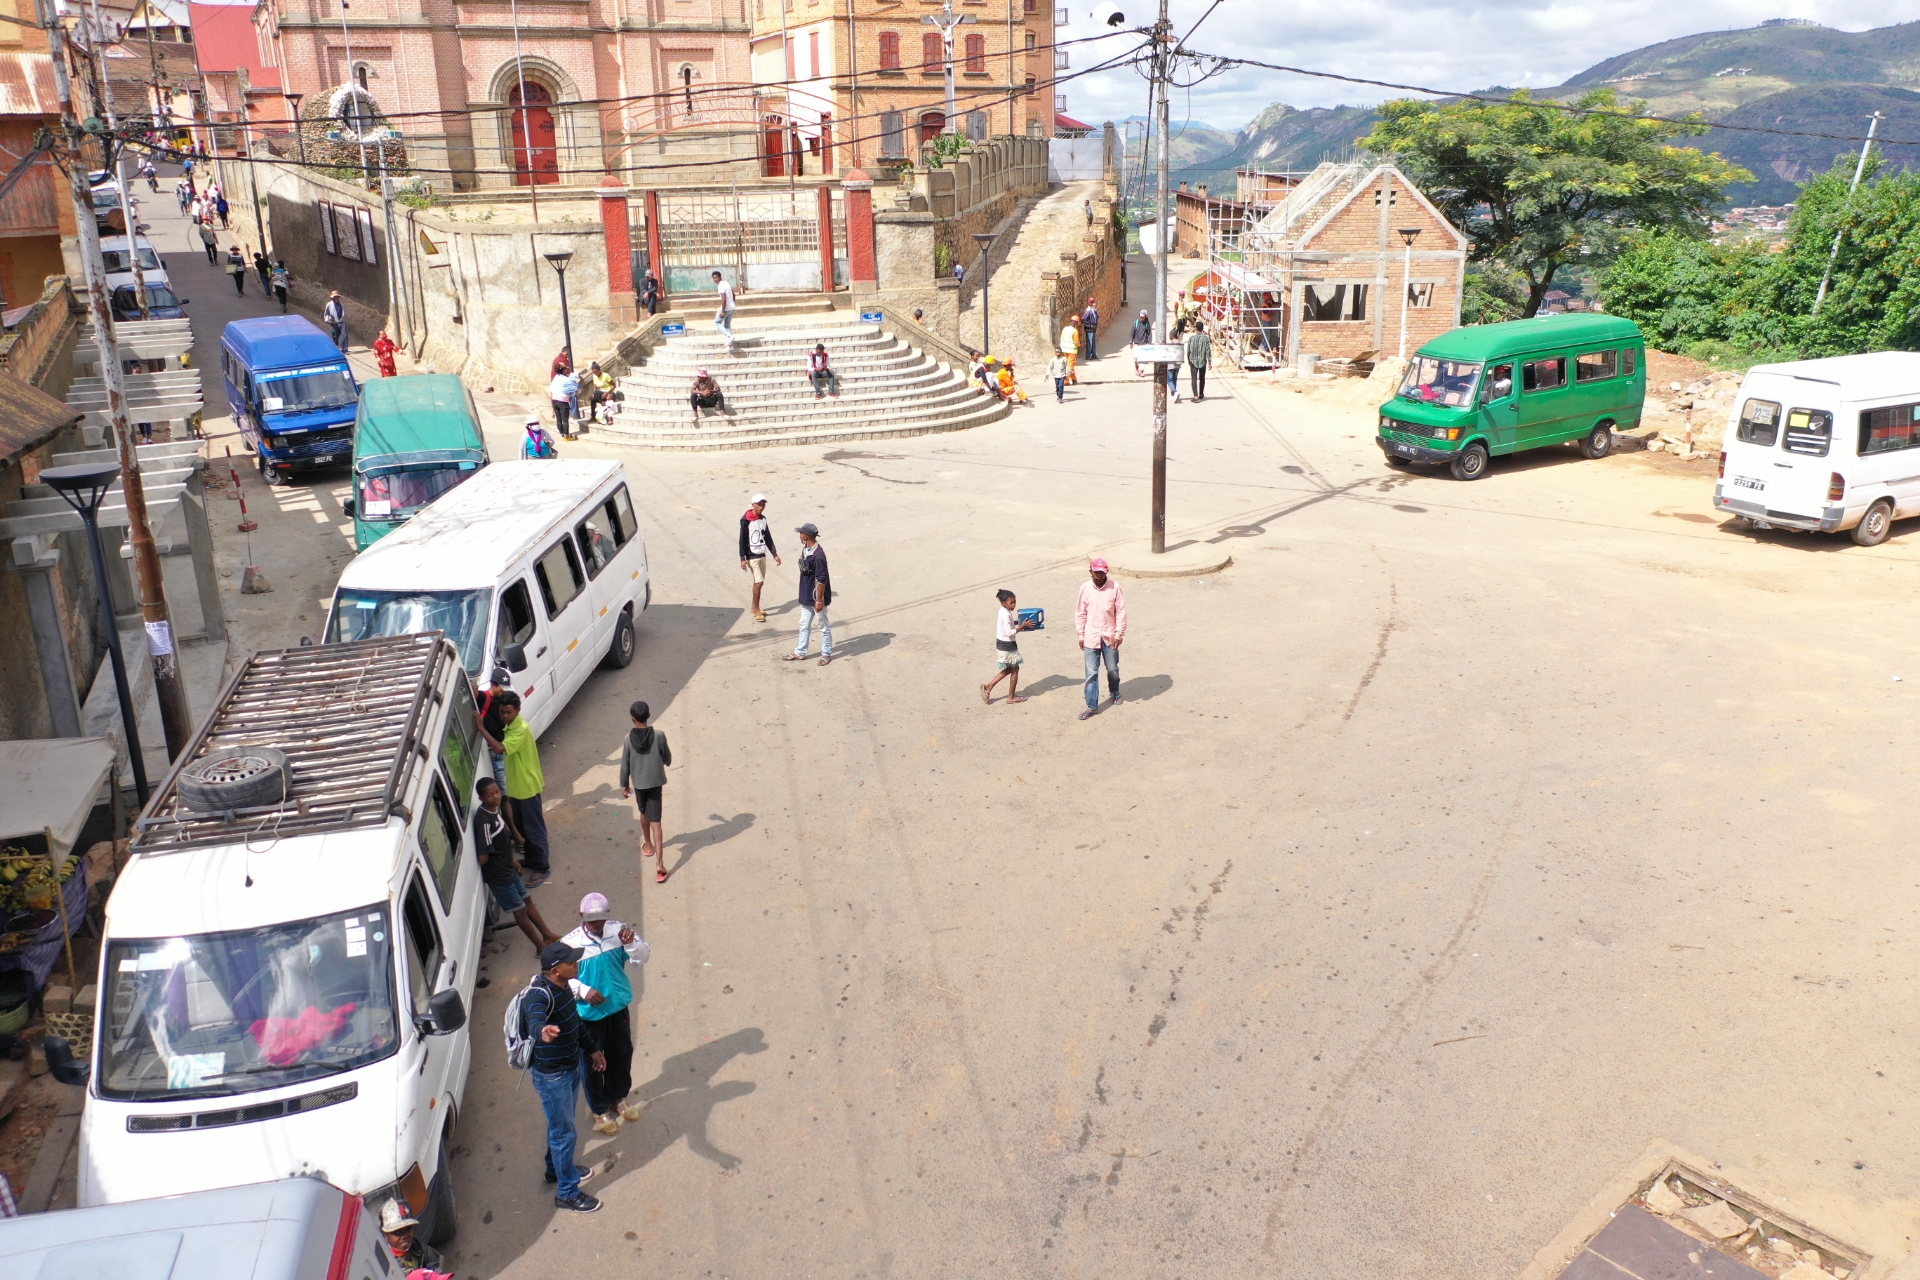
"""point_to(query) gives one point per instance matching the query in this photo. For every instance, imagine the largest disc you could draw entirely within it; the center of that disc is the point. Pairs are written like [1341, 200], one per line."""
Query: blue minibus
[292, 394]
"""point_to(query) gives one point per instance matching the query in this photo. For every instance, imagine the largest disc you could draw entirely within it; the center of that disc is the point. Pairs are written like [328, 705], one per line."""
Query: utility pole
[1873, 122]
[169, 689]
[947, 20]
[98, 57]
[1162, 69]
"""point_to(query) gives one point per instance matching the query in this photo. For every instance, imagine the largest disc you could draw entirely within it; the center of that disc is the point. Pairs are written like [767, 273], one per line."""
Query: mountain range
[1787, 74]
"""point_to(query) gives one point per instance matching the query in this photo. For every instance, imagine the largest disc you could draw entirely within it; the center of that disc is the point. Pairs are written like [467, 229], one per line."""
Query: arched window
[1033, 41]
[977, 54]
[932, 52]
[889, 50]
[360, 75]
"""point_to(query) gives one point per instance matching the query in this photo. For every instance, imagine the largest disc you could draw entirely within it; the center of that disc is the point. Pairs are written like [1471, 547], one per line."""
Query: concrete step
[825, 431]
[780, 374]
[750, 360]
[809, 410]
[899, 389]
[708, 340]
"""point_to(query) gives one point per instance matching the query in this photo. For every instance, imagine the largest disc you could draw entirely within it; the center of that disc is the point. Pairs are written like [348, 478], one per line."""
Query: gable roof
[1327, 191]
[225, 41]
[29, 417]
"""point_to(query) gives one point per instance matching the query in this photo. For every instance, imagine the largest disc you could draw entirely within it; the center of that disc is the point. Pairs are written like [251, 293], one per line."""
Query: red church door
[532, 121]
[932, 124]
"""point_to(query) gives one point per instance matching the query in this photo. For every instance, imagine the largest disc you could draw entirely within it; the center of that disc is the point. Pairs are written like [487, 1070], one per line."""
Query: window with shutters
[932, 57]
[977, 55]
[893, 135]
[977, 125]
[889, 50]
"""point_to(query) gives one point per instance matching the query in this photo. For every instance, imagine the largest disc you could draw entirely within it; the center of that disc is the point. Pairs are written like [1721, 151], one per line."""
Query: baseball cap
[394, 1215]
[499, 675]
[559, 953]
[810, 529]
[758, 498]
[1097, 563]
[594, 907]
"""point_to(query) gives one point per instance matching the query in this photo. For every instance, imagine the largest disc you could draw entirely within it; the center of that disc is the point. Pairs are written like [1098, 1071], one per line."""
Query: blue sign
[872, 317]
[672, 330]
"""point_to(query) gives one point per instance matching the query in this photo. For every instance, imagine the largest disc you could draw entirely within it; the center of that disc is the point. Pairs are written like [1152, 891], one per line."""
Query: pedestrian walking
[650, 293]
[1088, 207]
[550, 1019]
[1007, 627]
[335, 315]
[397, 1224]
[383, 349]
[1057, 370]
[183, 193]
[210, 242]
[816, 593]
[821, 373]
[281, 281]
[1142, 334]
[237, 268]
[602, 995]
[494, 838]
[264, 270]
[525, 782]
[643, 774]
[1070, 348]
[220, 206]
[561, 389]
[1090, 328]
[1173, 380]
[756, 544]
[723, 317]
[1199, 356]
[1100, 623]
[705, 395]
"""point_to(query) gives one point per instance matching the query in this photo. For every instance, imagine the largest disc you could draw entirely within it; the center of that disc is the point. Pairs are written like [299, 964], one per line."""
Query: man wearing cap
[816, 593]
[549, 1018]
[1090, 325]
[1100, 621]
[601, 995]
[756, 544]
[334, 313]
[397, 1224]
[487, 715]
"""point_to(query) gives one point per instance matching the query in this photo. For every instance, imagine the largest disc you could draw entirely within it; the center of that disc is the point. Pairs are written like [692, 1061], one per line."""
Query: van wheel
[443, 1223]
[1471, 464]
[1875, 525]
[271, 474]
[1599, 441]
[620, 652]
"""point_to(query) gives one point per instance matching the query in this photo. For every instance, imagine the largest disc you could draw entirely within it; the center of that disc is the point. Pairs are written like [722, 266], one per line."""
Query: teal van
[1487, 390]
[417, 436]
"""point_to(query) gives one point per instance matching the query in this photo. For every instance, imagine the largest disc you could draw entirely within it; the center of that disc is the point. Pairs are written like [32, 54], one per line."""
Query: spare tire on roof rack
[236, 778]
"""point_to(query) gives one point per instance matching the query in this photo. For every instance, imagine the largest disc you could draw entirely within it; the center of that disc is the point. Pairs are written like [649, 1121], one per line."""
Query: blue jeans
[1173, 379]
[560, 1098]
[1060, 390]
[1091, 353]
[499, 769]
[807, 616]
[1093, 673]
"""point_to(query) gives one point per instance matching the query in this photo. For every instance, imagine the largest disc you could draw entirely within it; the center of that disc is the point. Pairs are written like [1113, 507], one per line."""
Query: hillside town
[537, 741]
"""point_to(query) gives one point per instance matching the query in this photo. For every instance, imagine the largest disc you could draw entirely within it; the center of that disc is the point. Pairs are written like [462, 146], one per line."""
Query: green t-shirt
[524, 779]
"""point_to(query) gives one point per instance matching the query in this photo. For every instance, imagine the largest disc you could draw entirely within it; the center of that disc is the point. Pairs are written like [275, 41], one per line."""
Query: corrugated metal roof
[26, 84]
[29, 417]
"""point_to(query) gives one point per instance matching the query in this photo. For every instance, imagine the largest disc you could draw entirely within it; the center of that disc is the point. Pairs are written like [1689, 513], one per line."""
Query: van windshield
[463, 615]
[306, 391]
[121, 260]
[399, 494]
[1432, 381]
[218, 1013]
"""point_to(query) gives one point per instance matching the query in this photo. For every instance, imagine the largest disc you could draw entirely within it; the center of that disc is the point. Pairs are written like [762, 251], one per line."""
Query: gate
[761, 240]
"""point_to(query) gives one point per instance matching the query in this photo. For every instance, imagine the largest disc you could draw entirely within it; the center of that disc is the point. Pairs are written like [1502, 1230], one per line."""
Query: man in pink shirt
[1100, 622]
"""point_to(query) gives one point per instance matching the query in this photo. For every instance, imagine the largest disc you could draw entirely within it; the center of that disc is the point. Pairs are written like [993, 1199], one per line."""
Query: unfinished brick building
[1329, 270]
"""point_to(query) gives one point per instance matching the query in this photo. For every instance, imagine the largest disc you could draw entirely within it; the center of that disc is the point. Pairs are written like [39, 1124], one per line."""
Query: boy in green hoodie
[644, 758]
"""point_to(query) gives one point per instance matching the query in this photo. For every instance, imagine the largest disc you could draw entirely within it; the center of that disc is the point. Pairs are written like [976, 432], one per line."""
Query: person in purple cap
[1100, 622]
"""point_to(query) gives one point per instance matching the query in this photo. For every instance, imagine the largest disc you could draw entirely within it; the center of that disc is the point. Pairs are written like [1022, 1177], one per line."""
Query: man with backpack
[602, 994]
[543, 1036]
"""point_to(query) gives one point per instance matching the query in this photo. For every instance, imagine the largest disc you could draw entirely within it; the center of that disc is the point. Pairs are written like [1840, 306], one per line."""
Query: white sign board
[1162, 353]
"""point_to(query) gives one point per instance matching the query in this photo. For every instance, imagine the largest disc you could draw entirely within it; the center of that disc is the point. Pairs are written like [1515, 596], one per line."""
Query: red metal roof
[1061, 120]
[224, 40]
[26, 85]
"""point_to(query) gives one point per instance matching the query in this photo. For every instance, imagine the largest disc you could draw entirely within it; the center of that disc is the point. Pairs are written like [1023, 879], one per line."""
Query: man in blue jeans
[1100, 623]
[559, 1069]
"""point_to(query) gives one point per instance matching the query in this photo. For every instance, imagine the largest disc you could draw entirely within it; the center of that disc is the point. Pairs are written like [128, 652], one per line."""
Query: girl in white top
[1006, 648]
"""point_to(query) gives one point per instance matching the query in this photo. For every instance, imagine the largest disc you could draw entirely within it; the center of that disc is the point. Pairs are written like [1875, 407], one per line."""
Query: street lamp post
[1407, 235]
[560, 258]
[985, 240]
[84, 487]
[300, 134]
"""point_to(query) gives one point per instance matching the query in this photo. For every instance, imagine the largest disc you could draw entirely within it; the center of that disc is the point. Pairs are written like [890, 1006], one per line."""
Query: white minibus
[1825, 445]
[291, 950]
[537, 566]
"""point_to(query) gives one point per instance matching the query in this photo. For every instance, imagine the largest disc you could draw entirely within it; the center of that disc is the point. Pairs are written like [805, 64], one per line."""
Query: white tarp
[52, 784]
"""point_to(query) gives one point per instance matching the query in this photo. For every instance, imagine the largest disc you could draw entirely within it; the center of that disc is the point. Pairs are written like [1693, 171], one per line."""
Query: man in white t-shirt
[756, 544]
[723, 318]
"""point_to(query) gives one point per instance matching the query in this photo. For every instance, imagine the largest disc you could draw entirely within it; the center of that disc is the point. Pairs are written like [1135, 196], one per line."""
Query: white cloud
[1451, 44]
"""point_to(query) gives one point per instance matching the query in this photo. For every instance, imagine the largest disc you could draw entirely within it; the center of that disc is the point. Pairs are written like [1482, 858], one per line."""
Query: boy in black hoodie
[644, 758]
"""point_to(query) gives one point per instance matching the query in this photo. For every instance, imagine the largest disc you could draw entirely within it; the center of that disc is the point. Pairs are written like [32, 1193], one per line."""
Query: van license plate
[1741, 482]
[1404, 450]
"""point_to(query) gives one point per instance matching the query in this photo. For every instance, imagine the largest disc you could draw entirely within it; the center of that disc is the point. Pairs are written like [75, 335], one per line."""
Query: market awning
[52, 785]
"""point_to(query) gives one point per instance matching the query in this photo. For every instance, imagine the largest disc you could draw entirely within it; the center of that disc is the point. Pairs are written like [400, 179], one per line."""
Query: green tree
[1536, 188]
[1492, 294]
[1680, 289]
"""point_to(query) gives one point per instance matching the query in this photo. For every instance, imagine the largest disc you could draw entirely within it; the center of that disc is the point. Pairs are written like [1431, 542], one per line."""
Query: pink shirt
[1101, 614]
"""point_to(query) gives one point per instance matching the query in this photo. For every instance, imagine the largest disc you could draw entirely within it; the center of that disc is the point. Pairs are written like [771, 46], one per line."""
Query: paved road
[1453, 844]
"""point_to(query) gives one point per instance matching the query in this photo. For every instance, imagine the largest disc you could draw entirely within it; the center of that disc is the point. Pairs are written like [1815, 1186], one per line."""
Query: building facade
[37, 214]
[862, 83]
[571, 90]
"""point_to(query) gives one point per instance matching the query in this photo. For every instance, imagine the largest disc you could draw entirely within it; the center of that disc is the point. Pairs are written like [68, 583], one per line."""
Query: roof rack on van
[348, 718]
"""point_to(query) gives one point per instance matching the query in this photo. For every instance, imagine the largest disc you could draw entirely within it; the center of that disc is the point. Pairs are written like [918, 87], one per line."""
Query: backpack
[519, 1043]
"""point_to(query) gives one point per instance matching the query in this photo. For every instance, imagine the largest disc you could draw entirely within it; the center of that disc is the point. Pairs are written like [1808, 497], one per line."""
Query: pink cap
[1097, 563]
[594, 907]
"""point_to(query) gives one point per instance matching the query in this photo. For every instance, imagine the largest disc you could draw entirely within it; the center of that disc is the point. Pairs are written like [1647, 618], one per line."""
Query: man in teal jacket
[602, 993]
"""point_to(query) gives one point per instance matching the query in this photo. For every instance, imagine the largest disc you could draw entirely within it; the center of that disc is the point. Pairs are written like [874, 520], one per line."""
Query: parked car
[291, 392]
[161, 304]
[1825, 445]
[290, 951]
[108, 216]
[1484, 391]
[294, 1229]
[417, 436]
[117, 258]
[538, 567]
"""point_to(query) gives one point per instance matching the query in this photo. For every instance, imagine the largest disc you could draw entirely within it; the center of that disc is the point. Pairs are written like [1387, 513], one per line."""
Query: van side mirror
[67, 1069]
[515, 656]
[446, 1013]
[351, 507]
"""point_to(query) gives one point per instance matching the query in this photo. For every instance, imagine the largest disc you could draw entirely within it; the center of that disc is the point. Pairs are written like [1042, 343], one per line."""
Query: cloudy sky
[1451, 44]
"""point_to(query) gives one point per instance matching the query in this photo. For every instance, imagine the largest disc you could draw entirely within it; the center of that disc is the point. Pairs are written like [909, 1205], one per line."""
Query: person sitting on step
[821, 373]
[706, 395]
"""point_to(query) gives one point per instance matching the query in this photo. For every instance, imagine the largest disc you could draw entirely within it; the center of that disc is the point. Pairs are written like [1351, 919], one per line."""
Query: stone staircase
[887, 388]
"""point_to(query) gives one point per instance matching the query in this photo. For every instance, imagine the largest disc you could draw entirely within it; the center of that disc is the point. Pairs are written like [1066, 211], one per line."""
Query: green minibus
[417, 436]
[1486, 390]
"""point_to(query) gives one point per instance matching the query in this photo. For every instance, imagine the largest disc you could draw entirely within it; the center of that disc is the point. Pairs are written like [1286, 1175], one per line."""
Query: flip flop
[1088, 714]
[985, 696]
[825, 658]
[660, 875]
[1016, 697]
[795, 657]
[537, 878]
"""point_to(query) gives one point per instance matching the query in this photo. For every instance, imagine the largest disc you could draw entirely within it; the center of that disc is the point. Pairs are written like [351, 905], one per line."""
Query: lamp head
[985, 237]
[559, 258]
[83, 485]
[1408, 235]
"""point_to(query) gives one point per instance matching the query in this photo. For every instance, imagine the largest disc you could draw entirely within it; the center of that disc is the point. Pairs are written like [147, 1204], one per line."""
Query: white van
[117, 258]
[1825, 445]
[537, 566]
[290, 952]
